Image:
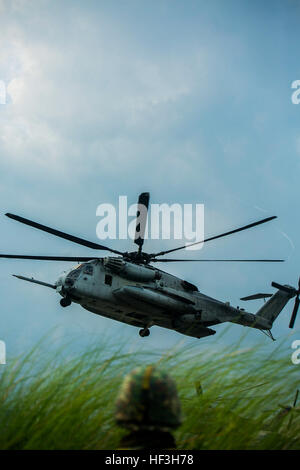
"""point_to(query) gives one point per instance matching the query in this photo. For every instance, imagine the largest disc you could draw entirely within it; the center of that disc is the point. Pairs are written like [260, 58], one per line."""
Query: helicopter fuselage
[144, 296]
[129, 289]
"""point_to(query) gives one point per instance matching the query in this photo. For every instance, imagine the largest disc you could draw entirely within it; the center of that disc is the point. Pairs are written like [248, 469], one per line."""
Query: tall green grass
[230, 398]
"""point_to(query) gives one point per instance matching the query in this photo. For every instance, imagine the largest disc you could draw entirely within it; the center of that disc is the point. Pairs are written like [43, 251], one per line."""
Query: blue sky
[188, 100]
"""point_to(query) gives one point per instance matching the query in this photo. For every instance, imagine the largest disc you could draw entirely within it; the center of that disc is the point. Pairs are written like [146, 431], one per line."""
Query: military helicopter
[129, 289]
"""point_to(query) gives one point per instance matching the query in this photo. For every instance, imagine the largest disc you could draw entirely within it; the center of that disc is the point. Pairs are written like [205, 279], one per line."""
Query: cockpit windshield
[74, 274]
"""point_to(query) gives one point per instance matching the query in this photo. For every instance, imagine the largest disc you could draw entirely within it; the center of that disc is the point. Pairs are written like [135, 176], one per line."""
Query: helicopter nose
[60, 282]
[64, 283]
[68, 286]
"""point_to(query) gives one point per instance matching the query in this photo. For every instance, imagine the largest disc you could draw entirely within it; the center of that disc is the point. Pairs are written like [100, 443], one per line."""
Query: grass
[230, 398]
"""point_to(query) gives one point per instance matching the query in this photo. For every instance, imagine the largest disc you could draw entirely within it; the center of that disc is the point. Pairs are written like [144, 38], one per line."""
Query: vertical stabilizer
[272, 308]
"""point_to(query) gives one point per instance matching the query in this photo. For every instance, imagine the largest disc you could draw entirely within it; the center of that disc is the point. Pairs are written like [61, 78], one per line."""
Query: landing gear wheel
[144, 332]
[65, 302]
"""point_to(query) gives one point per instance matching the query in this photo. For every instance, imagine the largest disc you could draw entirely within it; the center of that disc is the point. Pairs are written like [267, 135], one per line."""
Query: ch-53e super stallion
[130, 289]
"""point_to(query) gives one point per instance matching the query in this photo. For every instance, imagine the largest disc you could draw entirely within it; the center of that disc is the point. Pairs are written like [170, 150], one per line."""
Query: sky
[190, 101]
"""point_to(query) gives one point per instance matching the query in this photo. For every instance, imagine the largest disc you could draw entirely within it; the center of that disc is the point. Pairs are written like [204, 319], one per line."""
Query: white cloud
[67, 104]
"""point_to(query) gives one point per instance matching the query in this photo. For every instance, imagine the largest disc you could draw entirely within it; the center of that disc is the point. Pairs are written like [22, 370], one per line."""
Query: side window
[88, 269]
[108, 279]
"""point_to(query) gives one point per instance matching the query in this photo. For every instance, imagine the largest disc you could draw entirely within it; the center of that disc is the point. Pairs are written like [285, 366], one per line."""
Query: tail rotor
[295, 292]
[296, 307]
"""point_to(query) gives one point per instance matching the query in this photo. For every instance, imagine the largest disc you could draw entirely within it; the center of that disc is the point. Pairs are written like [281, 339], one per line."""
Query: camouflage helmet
[148, 400]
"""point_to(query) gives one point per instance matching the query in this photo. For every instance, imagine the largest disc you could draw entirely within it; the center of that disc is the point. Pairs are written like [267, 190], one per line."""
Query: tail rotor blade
[295, 311]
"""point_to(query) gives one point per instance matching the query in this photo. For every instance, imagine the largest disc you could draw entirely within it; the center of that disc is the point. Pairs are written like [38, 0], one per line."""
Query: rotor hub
[137, 257]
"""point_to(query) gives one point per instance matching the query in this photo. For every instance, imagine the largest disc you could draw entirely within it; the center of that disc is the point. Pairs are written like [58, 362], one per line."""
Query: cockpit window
[88, 269]
[74, 274]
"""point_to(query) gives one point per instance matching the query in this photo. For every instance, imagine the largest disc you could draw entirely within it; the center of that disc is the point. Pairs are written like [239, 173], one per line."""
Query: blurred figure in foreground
[149, 407]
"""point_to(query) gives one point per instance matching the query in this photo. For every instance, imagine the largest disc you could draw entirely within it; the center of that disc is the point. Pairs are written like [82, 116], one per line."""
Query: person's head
[148, 401]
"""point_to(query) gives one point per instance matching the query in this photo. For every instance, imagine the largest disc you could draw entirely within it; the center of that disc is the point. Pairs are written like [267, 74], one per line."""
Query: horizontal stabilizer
[35, 281]
[256, 296]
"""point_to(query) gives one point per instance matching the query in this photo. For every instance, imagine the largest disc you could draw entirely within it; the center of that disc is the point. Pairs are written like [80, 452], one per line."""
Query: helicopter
[129, 287]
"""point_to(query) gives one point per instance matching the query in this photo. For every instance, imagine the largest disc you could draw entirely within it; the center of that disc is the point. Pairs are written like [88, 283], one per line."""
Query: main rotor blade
[245, 227]
[142, 212]
[163, 260]
[58, 233]
[49, 258]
